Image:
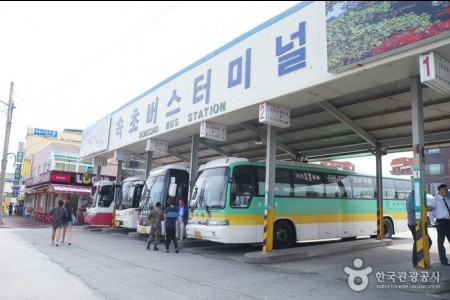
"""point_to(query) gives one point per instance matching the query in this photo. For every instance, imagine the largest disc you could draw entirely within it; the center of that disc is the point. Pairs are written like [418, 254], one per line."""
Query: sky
[72, 63]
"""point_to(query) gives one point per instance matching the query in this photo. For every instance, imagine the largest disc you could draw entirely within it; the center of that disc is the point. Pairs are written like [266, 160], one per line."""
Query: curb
[311, 251]
[117, 230]
[94, 227]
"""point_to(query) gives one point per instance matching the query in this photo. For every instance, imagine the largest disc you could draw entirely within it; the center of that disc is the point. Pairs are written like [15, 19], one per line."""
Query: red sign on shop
[60, 177]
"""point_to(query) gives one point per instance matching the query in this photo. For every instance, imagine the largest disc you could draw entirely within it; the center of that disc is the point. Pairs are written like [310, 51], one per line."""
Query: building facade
[339, 165]
[401, 166]
[52, 170]
[437, 167]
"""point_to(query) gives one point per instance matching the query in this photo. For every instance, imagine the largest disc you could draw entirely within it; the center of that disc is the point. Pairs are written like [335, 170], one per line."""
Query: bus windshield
[210, 189]
[154, 192]
[125, 195]
[102, 196]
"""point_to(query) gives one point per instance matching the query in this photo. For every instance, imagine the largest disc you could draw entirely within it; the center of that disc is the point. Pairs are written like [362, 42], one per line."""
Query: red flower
[411, 36]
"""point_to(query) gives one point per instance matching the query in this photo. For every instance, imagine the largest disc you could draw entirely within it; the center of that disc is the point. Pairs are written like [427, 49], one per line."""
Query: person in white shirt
[242, 199]
[440, 205]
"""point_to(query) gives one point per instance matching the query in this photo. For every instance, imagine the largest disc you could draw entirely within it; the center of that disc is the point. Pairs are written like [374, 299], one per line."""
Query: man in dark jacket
[171, 214]
[58, 214]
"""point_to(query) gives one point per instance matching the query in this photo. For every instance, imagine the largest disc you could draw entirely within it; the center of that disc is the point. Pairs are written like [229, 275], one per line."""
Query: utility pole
[6, 144]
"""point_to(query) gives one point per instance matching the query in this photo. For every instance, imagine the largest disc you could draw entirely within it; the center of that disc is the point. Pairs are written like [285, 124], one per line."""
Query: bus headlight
[218, 223]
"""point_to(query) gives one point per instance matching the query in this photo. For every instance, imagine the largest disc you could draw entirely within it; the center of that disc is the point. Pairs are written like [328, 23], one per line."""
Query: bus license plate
[117, 223]
[143, 230]
[198, 234]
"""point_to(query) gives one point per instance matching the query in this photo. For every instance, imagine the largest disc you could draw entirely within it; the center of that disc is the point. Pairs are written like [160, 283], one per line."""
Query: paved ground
[21, 222]
[34, 250]
[22, 275]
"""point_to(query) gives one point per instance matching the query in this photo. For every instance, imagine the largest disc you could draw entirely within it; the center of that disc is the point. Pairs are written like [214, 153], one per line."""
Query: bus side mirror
[233, 188]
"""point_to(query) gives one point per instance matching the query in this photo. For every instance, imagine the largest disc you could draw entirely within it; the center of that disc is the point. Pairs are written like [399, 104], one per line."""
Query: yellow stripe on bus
[308, 219]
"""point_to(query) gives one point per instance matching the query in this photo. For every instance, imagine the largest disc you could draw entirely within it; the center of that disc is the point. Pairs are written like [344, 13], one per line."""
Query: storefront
[43, 192]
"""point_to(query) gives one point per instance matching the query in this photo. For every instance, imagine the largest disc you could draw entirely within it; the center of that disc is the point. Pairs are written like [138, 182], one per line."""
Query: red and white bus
[101, 204]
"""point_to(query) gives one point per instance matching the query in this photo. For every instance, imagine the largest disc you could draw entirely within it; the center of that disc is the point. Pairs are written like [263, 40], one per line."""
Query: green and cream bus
[310, 202]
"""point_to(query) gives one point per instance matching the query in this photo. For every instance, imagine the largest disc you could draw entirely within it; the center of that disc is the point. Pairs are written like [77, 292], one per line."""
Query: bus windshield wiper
[215, 206]
[200, 198]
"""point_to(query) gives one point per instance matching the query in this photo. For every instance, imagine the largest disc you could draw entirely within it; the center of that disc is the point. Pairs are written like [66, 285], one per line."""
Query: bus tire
[388, 228]
[283, 234]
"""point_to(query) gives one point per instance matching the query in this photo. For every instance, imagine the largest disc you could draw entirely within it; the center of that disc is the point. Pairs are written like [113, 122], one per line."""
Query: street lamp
[6, 144]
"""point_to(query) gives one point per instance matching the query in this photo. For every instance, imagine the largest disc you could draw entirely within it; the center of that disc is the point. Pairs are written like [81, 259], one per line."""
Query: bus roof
[222, 162]
[161, 170]
[133, 178]
[104, 182]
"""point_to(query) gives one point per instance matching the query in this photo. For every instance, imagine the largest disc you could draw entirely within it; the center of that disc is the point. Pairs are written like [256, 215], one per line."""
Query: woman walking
[67, 223]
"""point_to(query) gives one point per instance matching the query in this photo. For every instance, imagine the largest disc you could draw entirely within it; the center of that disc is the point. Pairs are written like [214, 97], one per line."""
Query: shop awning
[71, 189]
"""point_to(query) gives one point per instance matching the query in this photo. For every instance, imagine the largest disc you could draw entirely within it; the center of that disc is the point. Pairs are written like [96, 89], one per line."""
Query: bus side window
[243, 198]
[106, 201]
[343, 190]
[363, 187]
[244, 178]
[283, 186]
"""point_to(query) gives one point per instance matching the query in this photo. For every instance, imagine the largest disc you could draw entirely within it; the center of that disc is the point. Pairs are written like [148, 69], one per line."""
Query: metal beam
[346, 120]
[262, 134]
[336, 150]
[193, 166]
[215, 148]
[431, 138]
[177, 155]
[148, 163]
[405, 142]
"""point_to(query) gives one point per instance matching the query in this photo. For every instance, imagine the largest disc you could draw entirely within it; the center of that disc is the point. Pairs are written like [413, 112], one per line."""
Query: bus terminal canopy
[347, 94]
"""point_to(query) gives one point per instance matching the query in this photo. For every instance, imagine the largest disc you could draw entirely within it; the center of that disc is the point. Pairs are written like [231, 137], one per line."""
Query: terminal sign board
[276, 115]
[435, 72]
[213, 131]
[157, 145]
[124, 155]
[100, 161]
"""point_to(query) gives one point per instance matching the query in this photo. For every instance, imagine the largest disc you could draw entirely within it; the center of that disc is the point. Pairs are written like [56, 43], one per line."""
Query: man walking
[155, 217]
[441, 207]
[171, 218]
[58, 214]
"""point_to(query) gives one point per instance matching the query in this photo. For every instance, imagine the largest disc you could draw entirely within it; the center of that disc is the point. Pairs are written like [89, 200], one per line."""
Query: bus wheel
[283, 236]
[388, 228]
